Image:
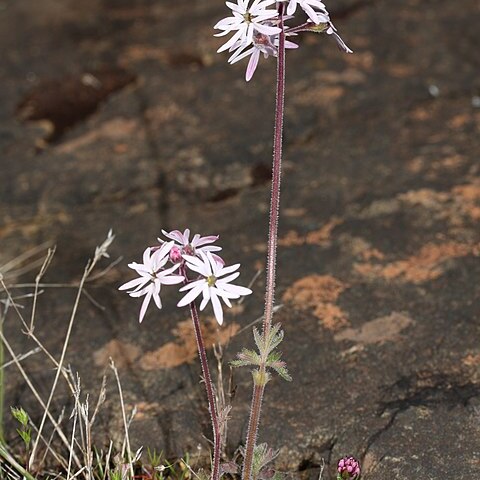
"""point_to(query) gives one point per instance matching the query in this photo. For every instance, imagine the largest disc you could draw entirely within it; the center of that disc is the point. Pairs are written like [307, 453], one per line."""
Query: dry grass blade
[21, 357]
[10, 460]
[100, 252]
[125, 422]
[37, 396]
[43, 269]
[7, 269]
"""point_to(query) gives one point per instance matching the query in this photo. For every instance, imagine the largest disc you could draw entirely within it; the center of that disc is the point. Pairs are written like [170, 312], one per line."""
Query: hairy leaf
[246, 357]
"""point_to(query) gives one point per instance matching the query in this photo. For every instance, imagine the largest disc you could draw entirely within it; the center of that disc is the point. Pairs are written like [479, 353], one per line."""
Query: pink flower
[211, 284]
[183, 245]
[348, 467]
[152, 276]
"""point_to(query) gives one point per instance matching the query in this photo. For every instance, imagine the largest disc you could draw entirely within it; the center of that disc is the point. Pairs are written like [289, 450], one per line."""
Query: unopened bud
[175, 255]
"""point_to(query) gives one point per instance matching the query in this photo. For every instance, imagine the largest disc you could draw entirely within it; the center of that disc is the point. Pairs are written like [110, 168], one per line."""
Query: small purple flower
[212, 284]
[348, 467]
[152, 276]
[183, 245]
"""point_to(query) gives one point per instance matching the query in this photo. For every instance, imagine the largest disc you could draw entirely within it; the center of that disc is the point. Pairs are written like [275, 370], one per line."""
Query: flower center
[211, 280]
[247, 16]
[189, 250]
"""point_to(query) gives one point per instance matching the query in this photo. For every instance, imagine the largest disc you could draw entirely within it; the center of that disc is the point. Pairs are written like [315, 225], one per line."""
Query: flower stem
[210, 395]
[258, 389]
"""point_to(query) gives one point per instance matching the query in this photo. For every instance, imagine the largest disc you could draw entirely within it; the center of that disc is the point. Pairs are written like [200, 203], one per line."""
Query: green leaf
[259, 340]
[274, 361]
[20, 415]
[26, 436]
[246, 357]
[273, 357]
[275, 337]
[282, 371]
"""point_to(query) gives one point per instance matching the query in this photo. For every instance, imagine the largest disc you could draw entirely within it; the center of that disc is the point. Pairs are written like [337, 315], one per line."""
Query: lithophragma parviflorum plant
[257, 27]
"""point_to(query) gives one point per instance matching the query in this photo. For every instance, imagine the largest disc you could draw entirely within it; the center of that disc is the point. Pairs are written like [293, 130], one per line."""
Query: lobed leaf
[246, 357]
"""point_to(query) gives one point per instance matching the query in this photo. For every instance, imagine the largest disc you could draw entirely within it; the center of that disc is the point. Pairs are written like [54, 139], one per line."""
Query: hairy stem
[212, 407]
[258, 389]
[2, 385]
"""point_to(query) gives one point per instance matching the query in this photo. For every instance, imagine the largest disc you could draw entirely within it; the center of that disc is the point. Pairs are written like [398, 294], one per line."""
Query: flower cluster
[348, 467]
[173, 262]
[256, 28]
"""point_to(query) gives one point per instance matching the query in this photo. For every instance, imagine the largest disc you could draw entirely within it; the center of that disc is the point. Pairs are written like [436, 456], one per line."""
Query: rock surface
[119, 114]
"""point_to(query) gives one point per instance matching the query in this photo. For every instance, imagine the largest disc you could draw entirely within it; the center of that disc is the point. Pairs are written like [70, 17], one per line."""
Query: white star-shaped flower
[152, 276]
[245, 20]
[213, 284]
[309, 7]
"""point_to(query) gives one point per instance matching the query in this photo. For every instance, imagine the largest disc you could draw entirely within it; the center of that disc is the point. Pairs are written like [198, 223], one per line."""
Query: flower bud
[348, 467]
[175, 255]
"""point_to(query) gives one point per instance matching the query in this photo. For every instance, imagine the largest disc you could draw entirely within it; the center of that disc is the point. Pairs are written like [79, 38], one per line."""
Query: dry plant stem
[37, 396]
[2, 376]
[72, 443]
[43, 269]
[88, 269]
[125, 423]
[258, 389]
[11, 460]
[209, 388]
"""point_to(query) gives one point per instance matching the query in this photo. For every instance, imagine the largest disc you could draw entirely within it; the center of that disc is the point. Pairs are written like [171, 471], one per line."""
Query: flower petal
[226, 270]
[146, 256]
[191, 285]
[227, 301]
[252, 65]
[175, 235]
[206, 296]
[156, 295]
[133, 283]
[204, 240]
[217, 308]
[228, 279]
[236, 289]
[145, 303]
[190, 296]
[172, 279]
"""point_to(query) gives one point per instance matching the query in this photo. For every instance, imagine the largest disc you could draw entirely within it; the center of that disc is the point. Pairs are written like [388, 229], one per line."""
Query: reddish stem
[258, 390]
[212, 407]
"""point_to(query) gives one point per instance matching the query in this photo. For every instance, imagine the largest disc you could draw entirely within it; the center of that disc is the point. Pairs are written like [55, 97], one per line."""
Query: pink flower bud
[175, 255]
[348, 467]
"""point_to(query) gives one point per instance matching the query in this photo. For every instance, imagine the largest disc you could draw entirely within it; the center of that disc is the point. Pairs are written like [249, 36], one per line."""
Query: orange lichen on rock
[184, 348]
[331, 316]
[144, 410]
[122, 353]
[319, 292]
[322, 236]
[380, 330]
[424, 266]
